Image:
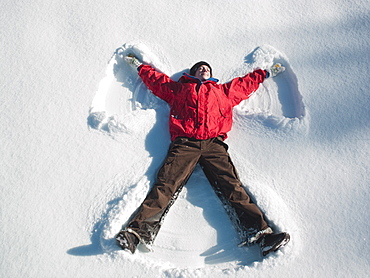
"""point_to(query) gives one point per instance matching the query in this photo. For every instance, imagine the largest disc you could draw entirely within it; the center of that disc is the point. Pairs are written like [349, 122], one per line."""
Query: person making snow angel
[200, 117]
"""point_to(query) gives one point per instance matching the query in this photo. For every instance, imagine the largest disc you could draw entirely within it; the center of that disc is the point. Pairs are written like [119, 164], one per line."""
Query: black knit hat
[198, 65]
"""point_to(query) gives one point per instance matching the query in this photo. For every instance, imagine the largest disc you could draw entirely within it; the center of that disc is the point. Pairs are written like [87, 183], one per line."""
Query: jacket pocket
[224, 105]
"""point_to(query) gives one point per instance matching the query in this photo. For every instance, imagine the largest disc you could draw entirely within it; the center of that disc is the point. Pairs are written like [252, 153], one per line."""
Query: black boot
[127, 241]
[272, 242]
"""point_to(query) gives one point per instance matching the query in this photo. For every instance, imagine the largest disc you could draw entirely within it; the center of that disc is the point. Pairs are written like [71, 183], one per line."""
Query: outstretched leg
[222, 175]
[178, 166]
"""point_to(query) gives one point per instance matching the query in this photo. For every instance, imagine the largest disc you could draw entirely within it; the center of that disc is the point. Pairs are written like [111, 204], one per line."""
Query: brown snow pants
[183, 155]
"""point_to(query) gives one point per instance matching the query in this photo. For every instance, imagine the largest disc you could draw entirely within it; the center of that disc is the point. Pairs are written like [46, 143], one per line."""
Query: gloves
[133, 61]
[276, 69]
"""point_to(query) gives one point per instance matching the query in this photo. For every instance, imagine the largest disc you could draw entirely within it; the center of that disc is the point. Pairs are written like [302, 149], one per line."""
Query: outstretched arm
[241, 88]
[159, 83]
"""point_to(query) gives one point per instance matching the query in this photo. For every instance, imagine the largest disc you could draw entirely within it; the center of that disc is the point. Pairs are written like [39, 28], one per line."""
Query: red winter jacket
[200, 110]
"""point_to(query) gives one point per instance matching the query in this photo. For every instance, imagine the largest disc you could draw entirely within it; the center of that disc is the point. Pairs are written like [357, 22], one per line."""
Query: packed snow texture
[82, 137]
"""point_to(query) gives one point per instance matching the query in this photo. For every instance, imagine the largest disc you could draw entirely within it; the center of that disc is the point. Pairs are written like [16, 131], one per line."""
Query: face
[203, 73]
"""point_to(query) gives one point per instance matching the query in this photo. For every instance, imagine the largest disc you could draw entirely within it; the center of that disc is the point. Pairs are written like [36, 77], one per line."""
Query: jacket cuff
[139, 67]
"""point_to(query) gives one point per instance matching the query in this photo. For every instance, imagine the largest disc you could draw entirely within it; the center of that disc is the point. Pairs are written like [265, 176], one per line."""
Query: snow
[300, 144]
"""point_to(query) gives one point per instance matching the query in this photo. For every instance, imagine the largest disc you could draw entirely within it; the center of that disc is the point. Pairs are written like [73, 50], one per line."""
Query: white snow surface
[82, 137]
